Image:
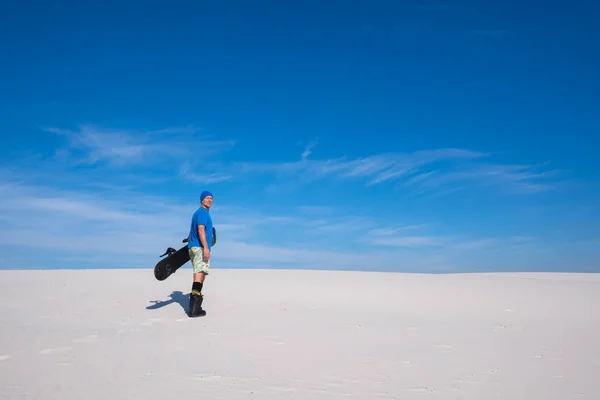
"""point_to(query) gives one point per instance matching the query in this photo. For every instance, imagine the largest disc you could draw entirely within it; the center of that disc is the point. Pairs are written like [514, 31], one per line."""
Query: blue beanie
[204, 194]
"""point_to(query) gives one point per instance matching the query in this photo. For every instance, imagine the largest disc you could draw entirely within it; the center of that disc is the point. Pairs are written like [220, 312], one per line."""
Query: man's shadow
[175, 297]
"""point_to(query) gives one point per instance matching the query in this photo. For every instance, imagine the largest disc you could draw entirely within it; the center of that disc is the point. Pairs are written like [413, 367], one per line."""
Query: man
[199, 246]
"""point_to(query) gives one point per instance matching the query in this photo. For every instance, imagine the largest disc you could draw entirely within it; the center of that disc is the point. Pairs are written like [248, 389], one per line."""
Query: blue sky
[421, 136]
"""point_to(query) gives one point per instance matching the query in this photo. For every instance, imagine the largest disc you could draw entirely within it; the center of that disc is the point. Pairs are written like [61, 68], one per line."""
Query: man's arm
[202, 236]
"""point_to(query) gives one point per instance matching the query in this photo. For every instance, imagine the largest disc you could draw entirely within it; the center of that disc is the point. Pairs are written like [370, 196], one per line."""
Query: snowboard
[175, 259]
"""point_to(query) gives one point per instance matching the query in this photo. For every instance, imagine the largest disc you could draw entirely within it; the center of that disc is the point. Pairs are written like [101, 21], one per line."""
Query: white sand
[299, 335]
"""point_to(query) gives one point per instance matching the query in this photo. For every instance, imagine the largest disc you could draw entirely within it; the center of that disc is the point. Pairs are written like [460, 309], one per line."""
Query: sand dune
[299, 335]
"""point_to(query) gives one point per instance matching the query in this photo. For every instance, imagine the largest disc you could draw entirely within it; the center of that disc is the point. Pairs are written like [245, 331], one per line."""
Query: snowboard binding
[169, 251]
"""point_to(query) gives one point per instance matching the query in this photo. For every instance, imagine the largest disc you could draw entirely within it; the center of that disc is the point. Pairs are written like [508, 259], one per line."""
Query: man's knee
[199, 276]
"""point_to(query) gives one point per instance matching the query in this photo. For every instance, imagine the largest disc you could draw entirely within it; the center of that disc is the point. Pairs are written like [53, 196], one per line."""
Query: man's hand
[202, 234]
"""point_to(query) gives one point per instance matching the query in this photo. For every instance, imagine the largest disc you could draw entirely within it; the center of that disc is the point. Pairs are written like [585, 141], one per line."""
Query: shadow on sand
[175, 297]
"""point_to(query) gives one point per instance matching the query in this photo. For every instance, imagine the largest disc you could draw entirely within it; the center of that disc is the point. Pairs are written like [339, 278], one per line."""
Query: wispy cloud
[401, 237]
[434, 171]
[477, 244]
[119, 147]
[122, 228]
[517, 178]
[420, 171]
[128, 229]
[308, 150]
[377, 168]
[190, 171]
[52, 207]
[405, 241]
[57, 222]
[390, 231]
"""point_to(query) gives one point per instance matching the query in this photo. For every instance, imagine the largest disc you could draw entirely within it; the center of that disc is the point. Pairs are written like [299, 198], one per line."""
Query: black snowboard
[175, 259]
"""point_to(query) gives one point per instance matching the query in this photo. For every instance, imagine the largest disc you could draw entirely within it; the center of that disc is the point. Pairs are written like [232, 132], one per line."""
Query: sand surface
[299, 335]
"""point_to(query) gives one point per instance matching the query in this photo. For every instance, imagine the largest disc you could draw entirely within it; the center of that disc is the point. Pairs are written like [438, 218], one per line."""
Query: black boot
[196, 306]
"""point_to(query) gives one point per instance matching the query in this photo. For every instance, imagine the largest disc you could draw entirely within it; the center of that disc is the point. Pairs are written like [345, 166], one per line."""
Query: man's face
[207, 202]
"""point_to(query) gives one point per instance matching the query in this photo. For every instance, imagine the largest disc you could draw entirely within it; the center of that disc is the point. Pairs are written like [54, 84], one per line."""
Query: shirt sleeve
[201, 219]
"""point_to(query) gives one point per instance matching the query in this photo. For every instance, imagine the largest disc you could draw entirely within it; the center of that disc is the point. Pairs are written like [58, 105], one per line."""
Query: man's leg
[201, 268]
[199, 276]
[198, 283]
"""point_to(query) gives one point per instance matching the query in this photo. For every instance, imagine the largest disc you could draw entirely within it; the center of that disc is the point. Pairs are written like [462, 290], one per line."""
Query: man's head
[206, 199]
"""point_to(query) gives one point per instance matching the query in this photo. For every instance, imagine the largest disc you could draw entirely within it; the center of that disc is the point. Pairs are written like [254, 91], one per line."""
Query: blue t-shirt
[201, 217]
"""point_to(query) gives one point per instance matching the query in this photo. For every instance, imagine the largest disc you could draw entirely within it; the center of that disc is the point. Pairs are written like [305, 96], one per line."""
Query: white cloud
[118, 229]
[477, 244]
[107, 217]
[390, 231]
[427, 171]
[396, 236]
[47, 227]
[435, 171]
[377, 168]
[188, 171]
[308, 150]
[516, 178]
[119, 147]
[406, 241]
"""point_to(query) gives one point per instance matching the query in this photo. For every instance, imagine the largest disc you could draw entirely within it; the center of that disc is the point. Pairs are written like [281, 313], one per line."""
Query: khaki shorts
[198, 261]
